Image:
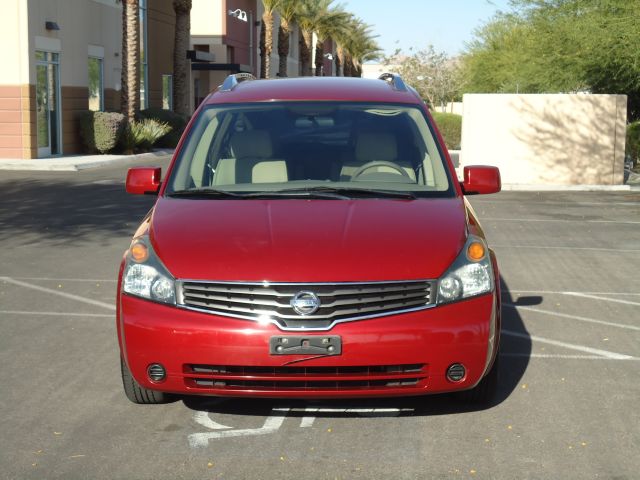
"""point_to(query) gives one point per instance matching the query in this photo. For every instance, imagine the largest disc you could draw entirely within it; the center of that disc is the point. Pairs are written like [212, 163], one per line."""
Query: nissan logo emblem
[305, 303]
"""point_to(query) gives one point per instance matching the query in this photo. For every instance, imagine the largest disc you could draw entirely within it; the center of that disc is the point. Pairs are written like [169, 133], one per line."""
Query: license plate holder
[305, 345]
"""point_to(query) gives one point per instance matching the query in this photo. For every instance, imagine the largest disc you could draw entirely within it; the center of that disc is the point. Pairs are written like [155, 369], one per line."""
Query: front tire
[137, 393]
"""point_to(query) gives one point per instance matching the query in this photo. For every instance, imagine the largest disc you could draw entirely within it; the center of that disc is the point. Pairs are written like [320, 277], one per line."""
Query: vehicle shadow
[59, 209]
[515, 348]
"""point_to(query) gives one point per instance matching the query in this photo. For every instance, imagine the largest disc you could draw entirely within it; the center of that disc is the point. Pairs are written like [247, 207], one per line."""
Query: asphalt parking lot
[568, 402]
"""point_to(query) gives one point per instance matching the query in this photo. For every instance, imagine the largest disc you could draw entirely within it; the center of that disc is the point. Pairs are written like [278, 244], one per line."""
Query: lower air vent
[305, 378]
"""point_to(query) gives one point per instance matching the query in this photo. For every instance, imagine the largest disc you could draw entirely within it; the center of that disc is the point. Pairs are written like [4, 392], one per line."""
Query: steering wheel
[380, 163]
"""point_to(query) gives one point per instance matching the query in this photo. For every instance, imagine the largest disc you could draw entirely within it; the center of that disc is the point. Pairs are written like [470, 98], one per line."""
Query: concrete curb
[516, 187]
[569, 188]
[77, 163]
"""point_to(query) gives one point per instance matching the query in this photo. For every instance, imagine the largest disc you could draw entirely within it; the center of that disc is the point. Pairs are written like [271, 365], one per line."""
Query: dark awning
[227, 67]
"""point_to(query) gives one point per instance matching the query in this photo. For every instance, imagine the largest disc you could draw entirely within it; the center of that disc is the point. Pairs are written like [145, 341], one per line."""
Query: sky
[445, 24]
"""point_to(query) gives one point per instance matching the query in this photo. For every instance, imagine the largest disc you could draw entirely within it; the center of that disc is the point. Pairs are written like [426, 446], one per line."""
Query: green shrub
[175, 121]
[143, 134]
[450, 126]
[101, 131]
[632, 149]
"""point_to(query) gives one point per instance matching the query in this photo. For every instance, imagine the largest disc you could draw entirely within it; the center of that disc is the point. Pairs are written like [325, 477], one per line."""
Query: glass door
[48, 103]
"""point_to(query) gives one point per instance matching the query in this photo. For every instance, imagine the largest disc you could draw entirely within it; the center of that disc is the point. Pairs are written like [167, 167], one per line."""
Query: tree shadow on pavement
[515, 348]
[60, 211]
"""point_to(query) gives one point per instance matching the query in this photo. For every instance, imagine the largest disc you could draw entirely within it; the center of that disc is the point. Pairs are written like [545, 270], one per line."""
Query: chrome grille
[339, 302]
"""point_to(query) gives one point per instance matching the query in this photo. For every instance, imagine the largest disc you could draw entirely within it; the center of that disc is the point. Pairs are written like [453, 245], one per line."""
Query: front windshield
[296, 146]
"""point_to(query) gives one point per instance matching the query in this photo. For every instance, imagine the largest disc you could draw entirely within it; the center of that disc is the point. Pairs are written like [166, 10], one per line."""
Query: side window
[193, 173]
[201, 157]
[433, 171]
[96, 84]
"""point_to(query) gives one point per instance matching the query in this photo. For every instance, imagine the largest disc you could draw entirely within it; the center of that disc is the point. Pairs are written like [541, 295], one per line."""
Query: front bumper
[397, 355]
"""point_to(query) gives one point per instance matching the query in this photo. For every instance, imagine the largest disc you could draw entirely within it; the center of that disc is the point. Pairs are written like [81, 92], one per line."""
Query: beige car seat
[252, 162]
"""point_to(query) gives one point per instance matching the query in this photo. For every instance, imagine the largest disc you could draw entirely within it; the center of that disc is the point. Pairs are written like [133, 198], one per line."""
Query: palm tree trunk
[339, 60]
[266, 44]
[284, 32]
[182, 9]
[130, 77]
[319, 57]
[306, 41]
[347, 65]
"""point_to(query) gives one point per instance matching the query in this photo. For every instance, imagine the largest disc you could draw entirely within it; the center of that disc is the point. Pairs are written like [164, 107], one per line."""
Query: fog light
[456, 372]
[450, 288]
[156, 372]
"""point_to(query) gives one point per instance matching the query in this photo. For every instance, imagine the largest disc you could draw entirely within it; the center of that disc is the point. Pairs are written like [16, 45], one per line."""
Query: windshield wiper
[205, 192]
[300, 193]
[325, 192]
[351, 192]
[225, 194]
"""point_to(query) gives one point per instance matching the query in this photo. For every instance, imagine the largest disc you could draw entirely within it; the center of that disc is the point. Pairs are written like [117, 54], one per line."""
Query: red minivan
[310, 240]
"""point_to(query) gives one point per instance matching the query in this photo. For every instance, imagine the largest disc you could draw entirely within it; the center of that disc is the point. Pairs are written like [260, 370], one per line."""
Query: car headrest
[376, 146]
[252, 144]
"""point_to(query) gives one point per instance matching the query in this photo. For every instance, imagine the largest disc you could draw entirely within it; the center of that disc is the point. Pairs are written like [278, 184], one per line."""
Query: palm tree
[288, 11]
[341, 38]
[331, 25]
[182, 9]
[310, 14]
[359, 46]
[266, 36]
[130, 77]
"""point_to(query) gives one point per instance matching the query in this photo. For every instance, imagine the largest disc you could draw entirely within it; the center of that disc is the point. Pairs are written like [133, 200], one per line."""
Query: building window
[144, 54]
[96, 84]
[48, 122]
[167, 92]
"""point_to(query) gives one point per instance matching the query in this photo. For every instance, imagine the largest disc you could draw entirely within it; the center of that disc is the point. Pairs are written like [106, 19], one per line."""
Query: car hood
[298, 240]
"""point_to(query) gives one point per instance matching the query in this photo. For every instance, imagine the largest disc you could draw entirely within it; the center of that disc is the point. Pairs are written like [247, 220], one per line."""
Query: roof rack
[233, 80]
[394, 80]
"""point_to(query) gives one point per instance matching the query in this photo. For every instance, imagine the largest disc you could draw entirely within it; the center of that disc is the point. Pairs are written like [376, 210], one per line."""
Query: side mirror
[143, 180]
[480, 180]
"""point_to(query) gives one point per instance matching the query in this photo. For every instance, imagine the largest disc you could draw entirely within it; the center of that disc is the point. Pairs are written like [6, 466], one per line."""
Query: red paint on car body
[308, 240]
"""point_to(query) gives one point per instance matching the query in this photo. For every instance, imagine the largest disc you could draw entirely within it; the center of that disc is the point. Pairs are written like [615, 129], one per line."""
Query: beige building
[225, 38]
[546, 139]
[62, 57]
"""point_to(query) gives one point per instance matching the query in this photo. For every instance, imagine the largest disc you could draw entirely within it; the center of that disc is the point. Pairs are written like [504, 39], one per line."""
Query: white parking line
[307, 421]
[57, 314]
[571, 346]
[564, 247]
[275, 420]
[573, 317]
[564, 204]
[271, 425]
[555, 220]
[615, 300]
[70, 296]
[561, 292]
[205, 420]
[46, 279]
[563, 357]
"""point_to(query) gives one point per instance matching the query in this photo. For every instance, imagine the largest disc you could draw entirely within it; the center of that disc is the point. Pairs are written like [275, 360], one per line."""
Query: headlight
[145, 276]
[469, 275]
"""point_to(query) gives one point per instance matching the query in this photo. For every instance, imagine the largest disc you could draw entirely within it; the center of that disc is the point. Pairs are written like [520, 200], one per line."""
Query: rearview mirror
[480, 180]
[143, 180]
